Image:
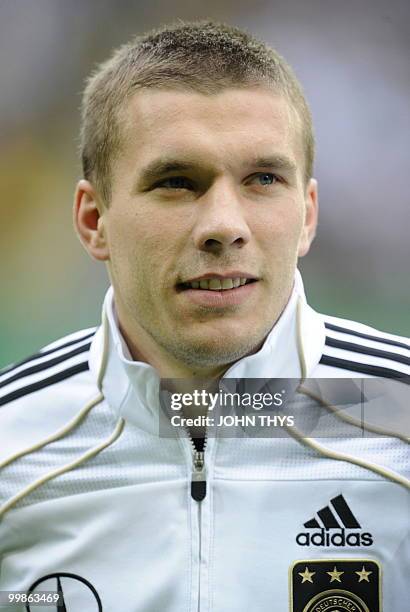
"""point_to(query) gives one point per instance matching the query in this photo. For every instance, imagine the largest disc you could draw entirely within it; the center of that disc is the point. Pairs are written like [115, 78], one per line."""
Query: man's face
[207, 188]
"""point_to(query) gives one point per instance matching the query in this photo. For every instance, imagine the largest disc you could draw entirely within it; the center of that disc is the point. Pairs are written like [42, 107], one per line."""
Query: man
[198, 194]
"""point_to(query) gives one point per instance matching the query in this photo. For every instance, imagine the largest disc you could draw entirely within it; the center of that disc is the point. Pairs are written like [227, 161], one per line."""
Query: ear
[311, 215]
[89, 220]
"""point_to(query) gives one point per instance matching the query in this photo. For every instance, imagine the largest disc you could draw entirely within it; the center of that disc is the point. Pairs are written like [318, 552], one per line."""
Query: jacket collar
[297, 336]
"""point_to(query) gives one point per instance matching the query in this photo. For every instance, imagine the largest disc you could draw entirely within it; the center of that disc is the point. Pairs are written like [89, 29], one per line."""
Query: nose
[220, 222]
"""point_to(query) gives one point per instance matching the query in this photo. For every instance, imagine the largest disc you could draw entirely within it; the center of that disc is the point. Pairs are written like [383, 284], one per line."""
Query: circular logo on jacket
[75, 593]
[336, 600]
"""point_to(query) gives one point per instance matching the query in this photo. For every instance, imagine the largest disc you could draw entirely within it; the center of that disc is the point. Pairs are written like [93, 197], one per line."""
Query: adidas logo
[334, 525]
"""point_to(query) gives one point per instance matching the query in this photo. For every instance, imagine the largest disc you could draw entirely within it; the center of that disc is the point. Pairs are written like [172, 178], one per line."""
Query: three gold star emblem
[335, 575]
[335, 583]
[306, 575]
[363, 575]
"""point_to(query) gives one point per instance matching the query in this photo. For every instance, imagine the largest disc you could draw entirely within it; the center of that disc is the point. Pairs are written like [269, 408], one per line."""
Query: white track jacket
[97, 506]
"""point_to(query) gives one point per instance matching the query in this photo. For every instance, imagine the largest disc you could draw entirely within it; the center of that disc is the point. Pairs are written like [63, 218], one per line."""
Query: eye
[265, 178]
[174, 182]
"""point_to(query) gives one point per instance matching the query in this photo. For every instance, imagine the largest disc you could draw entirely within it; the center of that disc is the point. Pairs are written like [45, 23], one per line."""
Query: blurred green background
[352, 59]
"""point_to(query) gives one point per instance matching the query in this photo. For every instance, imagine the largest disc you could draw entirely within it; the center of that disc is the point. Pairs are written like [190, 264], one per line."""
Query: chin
[219, 352]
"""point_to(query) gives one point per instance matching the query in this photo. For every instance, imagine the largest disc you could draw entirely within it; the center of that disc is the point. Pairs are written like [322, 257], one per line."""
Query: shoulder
[52, 364]
[41, 392]
[356, 349]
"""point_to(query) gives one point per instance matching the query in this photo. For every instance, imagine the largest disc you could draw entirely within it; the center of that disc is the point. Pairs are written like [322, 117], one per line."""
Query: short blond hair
[201, 56]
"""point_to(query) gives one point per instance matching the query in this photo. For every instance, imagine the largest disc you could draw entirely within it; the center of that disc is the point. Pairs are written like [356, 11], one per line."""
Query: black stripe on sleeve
[13, 366]
[364, 368]
[367, 350]
[344, 512]
[351, 332]
[45, 382]
[45, 365]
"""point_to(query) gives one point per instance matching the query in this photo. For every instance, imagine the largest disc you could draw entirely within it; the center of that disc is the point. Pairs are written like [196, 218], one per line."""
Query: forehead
[217, 129]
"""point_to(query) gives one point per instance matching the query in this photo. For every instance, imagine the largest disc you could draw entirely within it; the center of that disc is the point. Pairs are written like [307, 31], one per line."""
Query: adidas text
[336, 538]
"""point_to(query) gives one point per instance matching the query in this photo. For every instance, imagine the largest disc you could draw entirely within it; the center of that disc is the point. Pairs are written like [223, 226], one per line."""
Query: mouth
[219, 293]
[216, 283]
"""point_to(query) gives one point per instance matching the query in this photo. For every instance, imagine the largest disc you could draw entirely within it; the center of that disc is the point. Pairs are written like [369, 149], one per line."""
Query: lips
[212, 297]
[217, 282]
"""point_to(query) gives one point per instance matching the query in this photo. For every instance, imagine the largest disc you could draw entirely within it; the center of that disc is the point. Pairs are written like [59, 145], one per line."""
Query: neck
[167, 366]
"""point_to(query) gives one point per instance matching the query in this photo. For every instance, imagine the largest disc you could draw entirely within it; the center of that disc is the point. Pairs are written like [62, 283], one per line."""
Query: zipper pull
[198, 478]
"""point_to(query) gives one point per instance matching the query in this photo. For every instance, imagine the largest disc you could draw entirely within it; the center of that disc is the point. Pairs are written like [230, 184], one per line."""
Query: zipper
[198, 475]
[198, 494]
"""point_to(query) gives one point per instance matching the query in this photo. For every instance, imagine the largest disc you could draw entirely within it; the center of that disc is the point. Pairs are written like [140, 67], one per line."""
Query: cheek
[281, 226]
[144, 246]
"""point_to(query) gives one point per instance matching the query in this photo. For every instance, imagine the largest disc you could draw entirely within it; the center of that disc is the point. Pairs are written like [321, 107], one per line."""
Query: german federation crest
[335, 585]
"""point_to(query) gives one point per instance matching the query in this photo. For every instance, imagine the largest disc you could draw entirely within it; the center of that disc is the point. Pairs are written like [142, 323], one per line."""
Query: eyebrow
[162, 166]
[280, 162]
